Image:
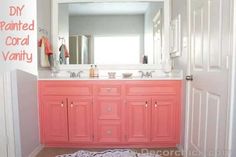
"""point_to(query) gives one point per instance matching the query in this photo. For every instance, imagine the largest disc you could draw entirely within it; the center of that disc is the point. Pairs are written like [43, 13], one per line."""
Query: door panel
[214, 23]
[198, 38]
[55, 119]
[164, 124]
[138, 120]
[210, 46]
[80, 119]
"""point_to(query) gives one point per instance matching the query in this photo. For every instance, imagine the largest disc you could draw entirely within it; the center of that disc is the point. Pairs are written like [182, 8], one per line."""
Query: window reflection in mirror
[112, 33]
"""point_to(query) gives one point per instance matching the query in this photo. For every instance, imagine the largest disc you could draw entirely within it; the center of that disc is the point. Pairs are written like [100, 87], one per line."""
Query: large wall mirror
[110, 32]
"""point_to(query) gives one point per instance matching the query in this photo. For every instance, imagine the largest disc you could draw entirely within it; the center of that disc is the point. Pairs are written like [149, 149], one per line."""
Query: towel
[45, 52]
[64, 53]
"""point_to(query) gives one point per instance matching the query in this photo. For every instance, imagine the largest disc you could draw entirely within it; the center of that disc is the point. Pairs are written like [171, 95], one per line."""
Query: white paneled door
[210, 47]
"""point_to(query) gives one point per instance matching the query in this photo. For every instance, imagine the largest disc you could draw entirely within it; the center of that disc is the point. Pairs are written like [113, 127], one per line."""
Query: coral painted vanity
[110, 113]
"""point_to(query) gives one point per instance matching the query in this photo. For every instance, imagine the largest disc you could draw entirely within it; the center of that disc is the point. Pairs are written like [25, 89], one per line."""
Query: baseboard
[35, 152]
[181, 149]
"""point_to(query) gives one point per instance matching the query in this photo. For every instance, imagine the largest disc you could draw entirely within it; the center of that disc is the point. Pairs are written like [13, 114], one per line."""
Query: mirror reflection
[111, 33]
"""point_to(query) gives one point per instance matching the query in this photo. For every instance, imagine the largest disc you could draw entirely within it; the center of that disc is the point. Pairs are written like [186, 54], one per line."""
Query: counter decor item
[127, 75]
[167, 66]
[91, 71]
[111, 75]
[55, 68]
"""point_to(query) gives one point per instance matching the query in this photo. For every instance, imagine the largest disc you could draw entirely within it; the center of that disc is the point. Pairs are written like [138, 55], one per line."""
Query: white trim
[232, 107]
[3, 132]
[78, 1]
[114, 67]
[180, 149]
[188, 84]
[36, 151]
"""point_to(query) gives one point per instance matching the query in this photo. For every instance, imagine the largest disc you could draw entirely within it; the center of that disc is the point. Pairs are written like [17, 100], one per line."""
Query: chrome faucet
[79, 74]
[146, 74]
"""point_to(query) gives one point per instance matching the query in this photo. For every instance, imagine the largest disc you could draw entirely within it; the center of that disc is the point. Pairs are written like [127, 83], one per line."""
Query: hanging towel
[46, 57]
[64, 53]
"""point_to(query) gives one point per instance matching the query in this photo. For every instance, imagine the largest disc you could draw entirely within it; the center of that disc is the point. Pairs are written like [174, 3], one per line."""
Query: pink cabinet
[110, 113]
[80, 119]
[165, 120]
[54, 116]
[138, 120]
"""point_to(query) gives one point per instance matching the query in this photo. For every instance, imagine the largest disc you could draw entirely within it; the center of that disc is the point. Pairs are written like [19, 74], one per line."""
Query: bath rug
[109, 153]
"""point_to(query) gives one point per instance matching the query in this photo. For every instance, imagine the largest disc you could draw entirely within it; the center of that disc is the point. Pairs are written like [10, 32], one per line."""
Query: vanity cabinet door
[138, 120]
[54, 119]
[80, 119]
[165, 121]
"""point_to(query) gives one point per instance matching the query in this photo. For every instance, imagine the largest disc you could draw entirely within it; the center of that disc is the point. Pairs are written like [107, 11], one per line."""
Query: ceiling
[108, 8]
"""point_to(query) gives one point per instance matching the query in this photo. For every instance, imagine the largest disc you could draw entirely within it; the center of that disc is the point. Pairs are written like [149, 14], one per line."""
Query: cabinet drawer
[109, 132]
[108, 90]
[62, 88]
[108, 109]
[152, 88]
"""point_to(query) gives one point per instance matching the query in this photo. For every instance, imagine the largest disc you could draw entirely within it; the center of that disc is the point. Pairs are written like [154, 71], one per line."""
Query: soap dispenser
[91, 71]
[96, 72]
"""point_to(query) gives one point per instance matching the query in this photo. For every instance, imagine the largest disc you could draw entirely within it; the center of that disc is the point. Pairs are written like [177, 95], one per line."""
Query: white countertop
[174, 75]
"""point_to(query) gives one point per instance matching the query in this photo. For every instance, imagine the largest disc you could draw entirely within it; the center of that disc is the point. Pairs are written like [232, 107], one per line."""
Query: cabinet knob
[62, 104]
[108, 89]
[109, 109]
[72, 104]
[155, 104]
[146, 105]
[109, 132]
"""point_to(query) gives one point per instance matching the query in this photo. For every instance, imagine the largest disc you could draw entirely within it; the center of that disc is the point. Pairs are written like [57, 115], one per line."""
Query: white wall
[43, 22]
[108, 25]
[44, 17]
[180, 7]
[150, 14]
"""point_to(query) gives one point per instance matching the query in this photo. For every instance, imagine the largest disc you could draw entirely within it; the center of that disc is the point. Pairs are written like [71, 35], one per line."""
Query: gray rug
[109, 153]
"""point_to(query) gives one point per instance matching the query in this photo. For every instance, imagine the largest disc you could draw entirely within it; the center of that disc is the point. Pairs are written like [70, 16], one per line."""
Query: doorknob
[189, 77]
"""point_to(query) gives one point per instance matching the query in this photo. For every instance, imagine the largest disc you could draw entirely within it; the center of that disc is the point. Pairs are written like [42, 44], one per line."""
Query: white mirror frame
[167, 14]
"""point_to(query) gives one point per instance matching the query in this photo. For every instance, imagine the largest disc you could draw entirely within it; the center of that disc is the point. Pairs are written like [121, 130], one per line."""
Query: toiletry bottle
[96, 72]
[91, 71]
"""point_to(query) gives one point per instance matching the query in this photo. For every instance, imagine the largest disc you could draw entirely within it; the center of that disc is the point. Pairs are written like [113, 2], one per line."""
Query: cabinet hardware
[156, 104]
[72, 104]
[109, 89]
[109, 132]
[109, 109]
[146, 105]
[62, 104]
